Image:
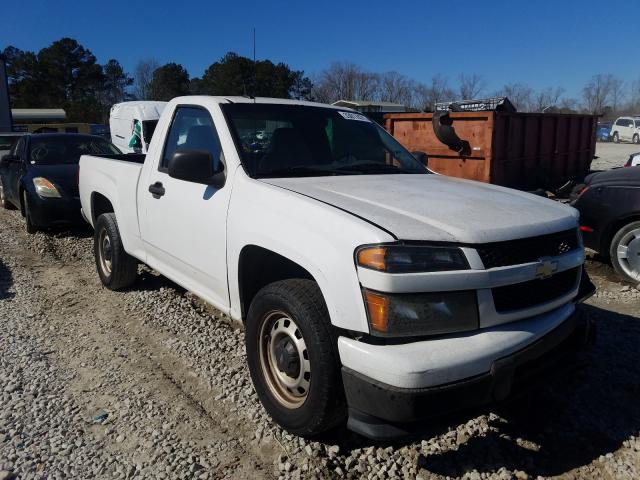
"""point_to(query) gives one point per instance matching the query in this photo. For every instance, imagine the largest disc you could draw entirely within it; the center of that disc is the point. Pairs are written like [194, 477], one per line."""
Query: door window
[192, 129]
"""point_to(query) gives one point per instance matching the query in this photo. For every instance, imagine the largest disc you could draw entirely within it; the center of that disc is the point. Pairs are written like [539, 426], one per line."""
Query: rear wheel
[4, 203]
[636, 139]
[625, 252]
[117, 269]
[293, 357]
[616, 137]
[30, 227]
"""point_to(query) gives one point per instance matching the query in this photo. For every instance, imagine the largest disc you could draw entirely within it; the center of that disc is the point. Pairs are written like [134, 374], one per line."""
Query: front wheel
[293, 357]
[616, 137]
[625, 252]
[636, 139]
[117, 269]
[29, 225]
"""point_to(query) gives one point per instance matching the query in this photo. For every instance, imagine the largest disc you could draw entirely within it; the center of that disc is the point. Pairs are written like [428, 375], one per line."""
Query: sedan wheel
[616, 137]
[625, 252]
[30, 227]
[4, 203]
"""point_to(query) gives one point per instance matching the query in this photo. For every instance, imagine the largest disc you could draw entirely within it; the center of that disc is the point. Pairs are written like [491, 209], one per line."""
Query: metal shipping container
[513, 149]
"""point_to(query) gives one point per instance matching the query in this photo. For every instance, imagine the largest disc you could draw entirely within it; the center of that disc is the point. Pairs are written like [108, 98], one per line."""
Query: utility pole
[6, 123]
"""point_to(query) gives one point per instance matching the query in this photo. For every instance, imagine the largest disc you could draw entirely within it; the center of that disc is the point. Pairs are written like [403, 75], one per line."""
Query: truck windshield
[67, 149]
[301, 141]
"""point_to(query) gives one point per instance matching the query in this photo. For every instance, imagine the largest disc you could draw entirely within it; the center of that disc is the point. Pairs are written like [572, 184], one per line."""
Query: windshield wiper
[304, 171]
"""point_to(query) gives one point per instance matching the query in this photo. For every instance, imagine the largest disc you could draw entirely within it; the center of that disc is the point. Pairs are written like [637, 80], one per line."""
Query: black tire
[636, 139]
[323, 406]
[29, 225]
[117, 269]
[4, 203]
[615, 137]
[625, 252]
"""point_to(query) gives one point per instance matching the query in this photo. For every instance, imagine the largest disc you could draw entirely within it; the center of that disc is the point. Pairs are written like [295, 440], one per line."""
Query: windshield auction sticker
[354, 116]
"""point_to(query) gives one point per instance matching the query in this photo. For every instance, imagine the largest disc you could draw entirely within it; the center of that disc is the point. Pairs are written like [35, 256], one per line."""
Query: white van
[132, 124]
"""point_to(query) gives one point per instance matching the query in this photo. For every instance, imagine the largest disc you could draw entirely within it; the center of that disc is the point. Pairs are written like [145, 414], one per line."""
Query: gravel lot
[611, 155]
[152, 383]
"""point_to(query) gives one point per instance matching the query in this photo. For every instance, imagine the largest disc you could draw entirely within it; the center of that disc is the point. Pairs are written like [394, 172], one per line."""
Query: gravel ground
[152, 383]
[611, 155]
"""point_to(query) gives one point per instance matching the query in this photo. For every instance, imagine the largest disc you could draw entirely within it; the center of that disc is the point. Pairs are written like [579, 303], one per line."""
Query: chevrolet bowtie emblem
[545, 269]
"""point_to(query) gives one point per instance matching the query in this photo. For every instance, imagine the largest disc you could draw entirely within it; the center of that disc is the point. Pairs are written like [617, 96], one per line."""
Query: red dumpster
[513, 149]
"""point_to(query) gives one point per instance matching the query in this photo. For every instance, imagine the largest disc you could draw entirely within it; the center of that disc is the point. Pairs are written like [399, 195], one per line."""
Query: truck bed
[115, 177]
[126, 157]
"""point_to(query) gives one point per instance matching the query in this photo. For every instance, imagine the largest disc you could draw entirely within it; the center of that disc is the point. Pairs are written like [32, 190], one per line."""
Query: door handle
[157, 190]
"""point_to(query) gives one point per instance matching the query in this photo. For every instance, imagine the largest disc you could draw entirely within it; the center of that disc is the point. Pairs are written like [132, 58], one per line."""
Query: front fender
[316, 236]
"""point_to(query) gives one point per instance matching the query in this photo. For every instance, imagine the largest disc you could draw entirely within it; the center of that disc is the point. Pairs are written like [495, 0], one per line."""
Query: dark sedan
[40, 176]
[609, 206]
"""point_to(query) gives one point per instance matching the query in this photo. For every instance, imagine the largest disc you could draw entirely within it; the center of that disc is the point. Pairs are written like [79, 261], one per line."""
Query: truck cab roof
[261, 100]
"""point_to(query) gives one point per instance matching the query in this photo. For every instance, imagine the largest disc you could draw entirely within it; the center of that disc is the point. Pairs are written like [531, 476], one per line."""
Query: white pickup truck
[371, 289]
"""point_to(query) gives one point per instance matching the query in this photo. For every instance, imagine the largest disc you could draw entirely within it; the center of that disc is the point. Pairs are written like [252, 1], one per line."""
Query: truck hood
[436, 207]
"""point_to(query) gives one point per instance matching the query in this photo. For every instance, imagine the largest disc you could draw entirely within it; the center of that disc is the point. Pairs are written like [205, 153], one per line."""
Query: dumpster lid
[500, 104]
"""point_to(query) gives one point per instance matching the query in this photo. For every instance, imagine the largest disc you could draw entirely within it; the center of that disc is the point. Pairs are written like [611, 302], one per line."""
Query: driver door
[184, 227]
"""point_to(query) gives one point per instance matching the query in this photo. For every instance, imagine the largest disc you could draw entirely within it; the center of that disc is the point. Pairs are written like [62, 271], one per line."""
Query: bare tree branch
[142, 77]
[471, 86]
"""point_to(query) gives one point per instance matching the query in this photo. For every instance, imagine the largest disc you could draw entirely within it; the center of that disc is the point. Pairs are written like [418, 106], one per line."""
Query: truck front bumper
[383, 412]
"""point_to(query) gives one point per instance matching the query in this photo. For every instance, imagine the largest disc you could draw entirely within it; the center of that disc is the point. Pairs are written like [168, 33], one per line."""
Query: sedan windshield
[67, 149]
[303, 141]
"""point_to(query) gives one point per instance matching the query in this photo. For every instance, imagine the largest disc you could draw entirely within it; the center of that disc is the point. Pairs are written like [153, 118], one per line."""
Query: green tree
[169, 81]
[73, 79]
[23, 77]
[196, 86]
[237, 75]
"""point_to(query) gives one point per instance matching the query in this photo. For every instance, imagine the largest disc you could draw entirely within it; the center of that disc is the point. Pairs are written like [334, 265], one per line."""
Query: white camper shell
[125, 134]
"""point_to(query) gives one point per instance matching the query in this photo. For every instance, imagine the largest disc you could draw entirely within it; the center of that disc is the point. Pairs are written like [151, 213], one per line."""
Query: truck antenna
[255, 70]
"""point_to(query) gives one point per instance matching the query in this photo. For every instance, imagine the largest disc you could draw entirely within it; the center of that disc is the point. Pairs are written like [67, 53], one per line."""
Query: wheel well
[99, 205]
[613, 229]
[259, 267]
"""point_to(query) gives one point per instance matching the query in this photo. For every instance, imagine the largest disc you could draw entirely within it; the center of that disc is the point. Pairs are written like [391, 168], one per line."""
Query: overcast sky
[541, 42]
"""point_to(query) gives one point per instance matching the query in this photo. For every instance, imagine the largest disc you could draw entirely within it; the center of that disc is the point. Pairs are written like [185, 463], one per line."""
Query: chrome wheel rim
[105, 252]
[284, 360]
[628, 253]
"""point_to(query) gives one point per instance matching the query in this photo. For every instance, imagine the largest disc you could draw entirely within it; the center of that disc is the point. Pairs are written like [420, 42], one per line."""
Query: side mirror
[421, 157]
[196, 166]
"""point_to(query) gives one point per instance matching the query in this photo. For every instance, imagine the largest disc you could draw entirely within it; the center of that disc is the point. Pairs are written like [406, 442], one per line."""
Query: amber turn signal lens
[378, 307]
[372, 258]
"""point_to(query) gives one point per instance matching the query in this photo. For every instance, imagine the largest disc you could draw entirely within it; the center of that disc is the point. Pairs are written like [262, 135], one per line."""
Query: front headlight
[45, 189]
[411, 258]
[418, 314]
